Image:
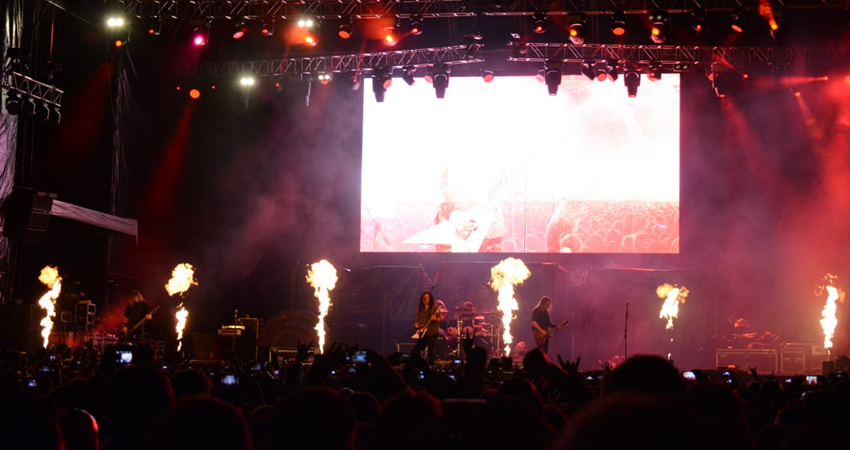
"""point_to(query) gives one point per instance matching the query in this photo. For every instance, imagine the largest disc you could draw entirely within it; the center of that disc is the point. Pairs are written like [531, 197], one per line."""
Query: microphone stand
[626, 333]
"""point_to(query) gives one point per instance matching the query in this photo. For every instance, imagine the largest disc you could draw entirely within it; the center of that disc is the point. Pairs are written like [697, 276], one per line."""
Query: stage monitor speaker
[206, 346]
[734, 358]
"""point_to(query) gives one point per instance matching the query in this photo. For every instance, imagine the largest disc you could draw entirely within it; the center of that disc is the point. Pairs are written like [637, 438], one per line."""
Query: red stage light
[119, 43]
[212, 87]
[656, 31]
[194, 93]
[345, 34]
[619, 31]
[238, 34]
[178, 88]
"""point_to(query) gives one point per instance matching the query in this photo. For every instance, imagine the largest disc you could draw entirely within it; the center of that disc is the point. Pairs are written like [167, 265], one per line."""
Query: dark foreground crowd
[350, 399]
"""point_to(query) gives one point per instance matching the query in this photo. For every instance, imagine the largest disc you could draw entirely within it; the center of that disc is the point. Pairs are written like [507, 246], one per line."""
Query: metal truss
[14, 81]
[671, 55]
[364, 63]
[365, 9]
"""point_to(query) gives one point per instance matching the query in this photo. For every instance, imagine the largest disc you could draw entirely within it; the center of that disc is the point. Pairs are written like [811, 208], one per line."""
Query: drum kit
[483, 327]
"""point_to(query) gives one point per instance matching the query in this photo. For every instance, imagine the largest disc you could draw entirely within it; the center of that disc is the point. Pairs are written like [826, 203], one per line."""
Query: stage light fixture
[381, 81]
[115, 22]
[56, 115]
[194, 94]
[611, 69]
[391, 34]
[29, 108]
[440, 79]
[659, 21]
[267, 28]
[306, 22]
[43, 111]
[239, 28]
[653, 71]
[354, 81]
[699, 19]
[618, 22]
[587, 69]
[407, 75]
[155, 27]
[488, 76]
[631, 79]
[539, 22]
[776, 26]
[724, 80]
[323, 78]
[201, 35]
[737, 21]
[577, 30]
[14, 102]
[552, 76]
[346, 28]
[247, 81]
[416, 24]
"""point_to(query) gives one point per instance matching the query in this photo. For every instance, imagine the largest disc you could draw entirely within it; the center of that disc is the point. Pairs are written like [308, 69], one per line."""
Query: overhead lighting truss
[672, 55]
[15, 82]
[363, 62]
[336, 9]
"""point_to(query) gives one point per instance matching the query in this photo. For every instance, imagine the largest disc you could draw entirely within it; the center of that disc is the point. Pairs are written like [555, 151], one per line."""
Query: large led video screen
[504, 167]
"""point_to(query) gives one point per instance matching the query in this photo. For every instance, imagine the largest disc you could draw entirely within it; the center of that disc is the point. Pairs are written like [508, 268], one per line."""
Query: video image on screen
[503, 167]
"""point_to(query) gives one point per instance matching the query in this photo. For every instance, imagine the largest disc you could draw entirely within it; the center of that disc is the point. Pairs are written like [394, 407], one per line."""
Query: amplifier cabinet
[764, 359]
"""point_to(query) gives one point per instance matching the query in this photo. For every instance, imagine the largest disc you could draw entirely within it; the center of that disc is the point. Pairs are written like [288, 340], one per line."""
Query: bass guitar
[134, 328]
[541, 338]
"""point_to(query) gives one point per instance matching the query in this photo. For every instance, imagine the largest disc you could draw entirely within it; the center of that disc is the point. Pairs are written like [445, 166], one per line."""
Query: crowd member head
[131, 403]
[649, 374]
[722, 413]
[205, 423]
[80, 431]
[634, 420]
[314, 418]
[28, 423]
[405, 416]
[191, 383]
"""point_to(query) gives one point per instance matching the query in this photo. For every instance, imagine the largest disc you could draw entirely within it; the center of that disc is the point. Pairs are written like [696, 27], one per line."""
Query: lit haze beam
[322, 277]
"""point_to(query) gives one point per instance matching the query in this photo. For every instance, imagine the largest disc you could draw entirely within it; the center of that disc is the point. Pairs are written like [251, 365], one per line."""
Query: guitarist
[428, 318]
[136, 311]
[541, 324]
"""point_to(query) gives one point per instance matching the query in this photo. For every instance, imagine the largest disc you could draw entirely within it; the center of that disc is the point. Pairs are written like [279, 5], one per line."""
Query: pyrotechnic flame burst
[829, 320]
[50, 277]
[503, 277]
[182, 278]
[182, 314]
[322, 277]
[672, 295]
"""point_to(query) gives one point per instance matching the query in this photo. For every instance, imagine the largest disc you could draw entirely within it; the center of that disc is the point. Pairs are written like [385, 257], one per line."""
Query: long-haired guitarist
[541, 324]
[135, 315]
[428, 317]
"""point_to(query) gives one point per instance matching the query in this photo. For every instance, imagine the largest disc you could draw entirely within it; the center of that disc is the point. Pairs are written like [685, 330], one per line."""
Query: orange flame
[182, 278]
[50, 277]
[673, 295]
[503, 277]
[322, 276]
[829, 320]
[182, 314]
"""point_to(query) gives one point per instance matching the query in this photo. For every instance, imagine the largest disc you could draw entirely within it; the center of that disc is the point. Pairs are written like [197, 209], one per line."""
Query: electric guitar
[131, 330]
[421, 330]
[541, 338]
